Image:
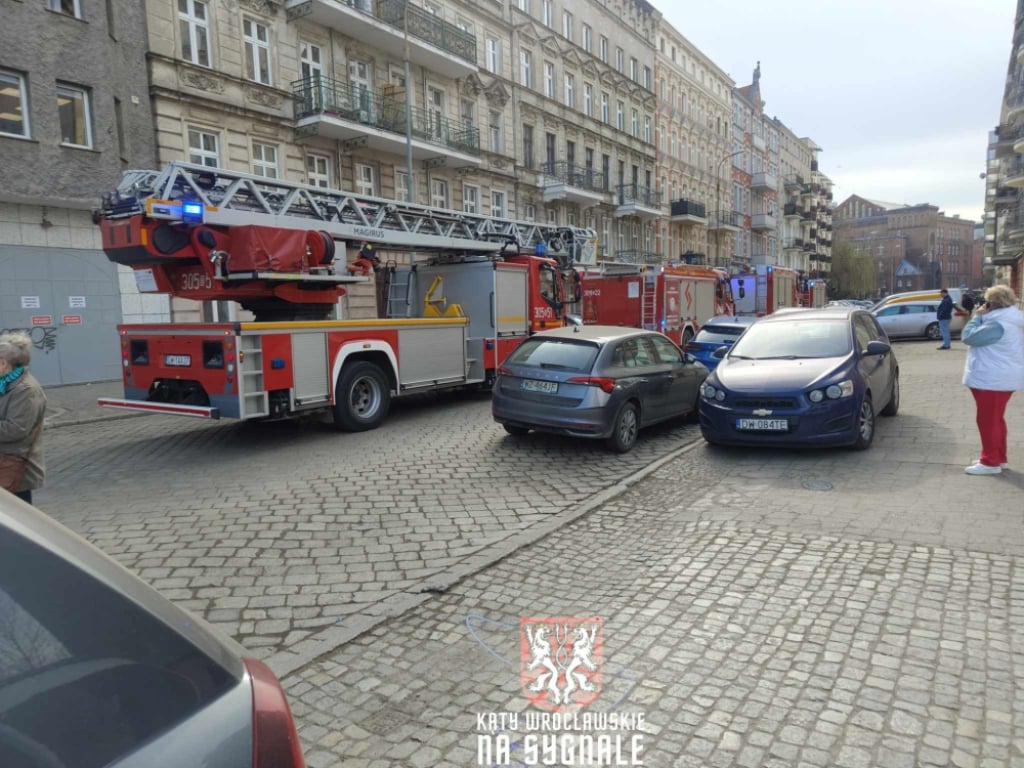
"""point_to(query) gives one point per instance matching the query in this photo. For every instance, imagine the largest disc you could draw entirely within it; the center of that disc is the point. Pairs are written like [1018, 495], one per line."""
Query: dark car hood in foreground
[740, 375]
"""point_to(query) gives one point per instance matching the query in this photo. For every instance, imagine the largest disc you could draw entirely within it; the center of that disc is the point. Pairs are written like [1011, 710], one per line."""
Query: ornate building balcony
[344, 111]
[637, 256]
[687, 211]
[635, 200]
[764, 180]
[433, 42]
[728, 220]
[763, 221]
[573, 184]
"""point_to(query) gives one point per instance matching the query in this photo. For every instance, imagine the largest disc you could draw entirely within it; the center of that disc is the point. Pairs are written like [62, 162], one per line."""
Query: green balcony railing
[423, 25]
[355, 103]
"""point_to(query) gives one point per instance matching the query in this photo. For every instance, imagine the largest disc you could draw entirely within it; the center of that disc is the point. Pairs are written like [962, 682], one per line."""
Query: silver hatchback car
[596, 381]
[98, 670]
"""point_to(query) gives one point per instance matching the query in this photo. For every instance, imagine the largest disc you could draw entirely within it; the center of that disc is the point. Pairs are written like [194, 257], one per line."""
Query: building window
[75, 116]
[524, 6]
[203, 148]
[549, 79]
[647, 128]
[470, 198]
[497, 204]
[567, 25]
[570, 91]
[620, 60]
[365, 180]
[634, 69]
[264, 160]
[495, 129]
[635, 123]
[526, 69]
[67, 7]
[620, 116]
[648, 78]
[194, 27]
[603, 49]
[493, 55]
[318, 171]
[13, 104]
[552, 216]
[528, 146]
[588, 38]
[401, 184]
[257, 51]
[606, 162]
[469, 112]
[547, 10]
[531, 213]
[588, 99]
[604, 108]
[439, 193]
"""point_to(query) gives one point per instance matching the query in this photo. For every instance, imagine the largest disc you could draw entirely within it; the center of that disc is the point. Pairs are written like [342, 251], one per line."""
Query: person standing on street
[22, 407]
[944, 314]
[994, 371]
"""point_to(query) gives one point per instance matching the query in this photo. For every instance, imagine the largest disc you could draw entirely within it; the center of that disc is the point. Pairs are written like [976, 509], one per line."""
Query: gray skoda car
[595, 381]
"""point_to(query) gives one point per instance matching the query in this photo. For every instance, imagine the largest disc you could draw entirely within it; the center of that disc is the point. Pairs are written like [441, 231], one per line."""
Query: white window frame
[496, 131]
[197, 27]
[76, 92]
[605, 111]
[648, 78]
[588, 99]
[620, 116]
[570, 90]
[530, 213]
[588, 38]
[634, 123]
[364, 177]
[647, 129]
[439, 193]
[468, 114]
[262, 165]
[16, 79]
[620, 60]
[471, 198]
[524, 6]
[199, 154]
[603, 49]
[57, 6]
[401, 184]
[547, 8]
[493, 48]
[257, 50]
[549, 79]
[499, 206]
[526, 69]
[318, 171]
[567, 25]
[634, 69]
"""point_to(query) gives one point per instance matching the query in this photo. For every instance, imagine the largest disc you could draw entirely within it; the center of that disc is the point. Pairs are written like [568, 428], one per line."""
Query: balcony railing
[684, 207]
[345, 100]
[814, 165]
[790, 209]
[637, 195]
[693, 258]
[637, 256]
[725, 219]
[422, 25]
[793, 182]
[572, 175]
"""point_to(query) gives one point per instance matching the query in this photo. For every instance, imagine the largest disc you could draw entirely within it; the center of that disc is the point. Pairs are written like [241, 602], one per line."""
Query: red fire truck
[674, 299]
[765, 289]
[475, 289]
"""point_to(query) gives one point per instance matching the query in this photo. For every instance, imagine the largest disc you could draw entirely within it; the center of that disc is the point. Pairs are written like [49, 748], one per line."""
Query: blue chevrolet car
[720, 331]
[812, 378]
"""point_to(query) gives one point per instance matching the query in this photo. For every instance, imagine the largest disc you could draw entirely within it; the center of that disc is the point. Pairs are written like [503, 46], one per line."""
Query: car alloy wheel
[933, 332]
[627, 425]
[865, 424]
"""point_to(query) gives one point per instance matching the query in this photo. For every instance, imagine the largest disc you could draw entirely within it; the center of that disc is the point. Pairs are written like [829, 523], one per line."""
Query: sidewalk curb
[287, 661]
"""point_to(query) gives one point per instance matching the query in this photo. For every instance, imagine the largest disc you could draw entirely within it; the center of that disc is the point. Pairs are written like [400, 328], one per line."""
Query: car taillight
[504, 371]
[606, 385]
[275, 740]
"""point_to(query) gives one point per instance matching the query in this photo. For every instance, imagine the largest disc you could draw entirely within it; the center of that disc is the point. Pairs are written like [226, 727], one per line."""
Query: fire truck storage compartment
[310, 367]
[493, 296]
[432, 353]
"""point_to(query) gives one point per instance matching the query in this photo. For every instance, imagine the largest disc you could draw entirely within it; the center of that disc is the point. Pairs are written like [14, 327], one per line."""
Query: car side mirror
[877, 348]
[719, 352]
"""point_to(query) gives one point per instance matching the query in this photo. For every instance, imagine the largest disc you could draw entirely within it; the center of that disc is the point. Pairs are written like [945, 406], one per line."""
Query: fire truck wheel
[627, 425]
[362, 398]
[687, 336]
[865, 425]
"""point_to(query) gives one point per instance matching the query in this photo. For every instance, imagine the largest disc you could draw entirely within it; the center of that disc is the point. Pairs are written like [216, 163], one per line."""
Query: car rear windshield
[810, 337]
[720, 334]
[85, 674]
[556, 354]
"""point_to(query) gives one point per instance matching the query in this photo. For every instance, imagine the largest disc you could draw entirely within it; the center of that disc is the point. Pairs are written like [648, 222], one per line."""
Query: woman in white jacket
[994, 371]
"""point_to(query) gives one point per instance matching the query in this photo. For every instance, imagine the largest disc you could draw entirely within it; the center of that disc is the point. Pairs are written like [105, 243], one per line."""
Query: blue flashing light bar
[192, 213]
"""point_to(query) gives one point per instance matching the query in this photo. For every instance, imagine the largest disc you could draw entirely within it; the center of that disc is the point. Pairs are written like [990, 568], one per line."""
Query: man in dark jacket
[944, 314]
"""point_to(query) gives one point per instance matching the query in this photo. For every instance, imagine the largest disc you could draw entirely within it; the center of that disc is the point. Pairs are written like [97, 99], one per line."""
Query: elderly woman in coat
[22, 406]
[993, 372]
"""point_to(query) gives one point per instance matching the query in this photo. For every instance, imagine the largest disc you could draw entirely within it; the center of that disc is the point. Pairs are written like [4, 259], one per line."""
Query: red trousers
[992, 425]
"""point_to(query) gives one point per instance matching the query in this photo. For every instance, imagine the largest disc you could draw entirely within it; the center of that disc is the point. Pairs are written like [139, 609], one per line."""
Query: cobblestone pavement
[291, 537]
[761, 608]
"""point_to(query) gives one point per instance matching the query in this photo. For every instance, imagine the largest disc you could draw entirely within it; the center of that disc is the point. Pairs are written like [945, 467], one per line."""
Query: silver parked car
[596, 381]
[98, 669]
[916, 319]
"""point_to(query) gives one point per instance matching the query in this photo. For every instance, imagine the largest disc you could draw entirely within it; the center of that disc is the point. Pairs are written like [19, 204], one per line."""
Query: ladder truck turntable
[287, 252]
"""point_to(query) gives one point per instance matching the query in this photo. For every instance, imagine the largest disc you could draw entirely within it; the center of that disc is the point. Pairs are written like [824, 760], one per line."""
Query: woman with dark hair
[993, 372]
[22, 406]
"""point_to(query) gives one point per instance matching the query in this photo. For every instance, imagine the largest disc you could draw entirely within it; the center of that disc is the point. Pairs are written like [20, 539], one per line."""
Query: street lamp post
[718, 204]
[409, 193]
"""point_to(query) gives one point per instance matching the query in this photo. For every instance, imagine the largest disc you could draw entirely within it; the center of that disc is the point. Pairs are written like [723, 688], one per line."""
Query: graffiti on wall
[44, 337]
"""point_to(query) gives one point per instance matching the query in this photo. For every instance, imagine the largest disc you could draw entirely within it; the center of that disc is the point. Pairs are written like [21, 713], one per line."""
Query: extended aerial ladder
[280, 248]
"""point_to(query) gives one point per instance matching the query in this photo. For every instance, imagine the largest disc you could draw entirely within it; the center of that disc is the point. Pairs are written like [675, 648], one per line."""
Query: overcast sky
[899, 94]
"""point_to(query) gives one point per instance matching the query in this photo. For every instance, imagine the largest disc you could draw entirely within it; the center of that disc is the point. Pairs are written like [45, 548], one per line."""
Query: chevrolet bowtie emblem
[762, 412]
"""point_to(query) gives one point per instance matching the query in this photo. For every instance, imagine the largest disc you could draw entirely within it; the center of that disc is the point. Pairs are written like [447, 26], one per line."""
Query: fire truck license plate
[532, 385]
[180, 361]
[762, 425]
